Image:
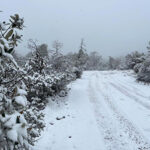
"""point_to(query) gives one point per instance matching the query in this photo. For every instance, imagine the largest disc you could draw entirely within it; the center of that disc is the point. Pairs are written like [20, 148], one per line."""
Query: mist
[111, 27]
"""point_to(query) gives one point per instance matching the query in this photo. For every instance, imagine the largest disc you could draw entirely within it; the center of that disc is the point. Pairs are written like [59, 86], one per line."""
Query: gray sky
[112, 27]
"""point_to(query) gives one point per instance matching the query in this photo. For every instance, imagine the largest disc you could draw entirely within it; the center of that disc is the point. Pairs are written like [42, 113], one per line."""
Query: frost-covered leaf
[21, 100]
[9, 33]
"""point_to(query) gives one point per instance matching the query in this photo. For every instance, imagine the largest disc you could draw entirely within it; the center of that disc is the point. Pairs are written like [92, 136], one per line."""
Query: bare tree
[32, 45]
[57, 45]
[95, 61]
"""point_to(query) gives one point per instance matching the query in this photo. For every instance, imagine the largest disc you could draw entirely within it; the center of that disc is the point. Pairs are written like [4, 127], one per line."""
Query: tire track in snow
[131, 96]
[114, 137]
[127, 127]
[133, 88]
[135, 91]
[125, 91]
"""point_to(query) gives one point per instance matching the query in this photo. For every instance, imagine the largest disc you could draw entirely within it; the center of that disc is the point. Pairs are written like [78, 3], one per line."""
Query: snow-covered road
[105, 110]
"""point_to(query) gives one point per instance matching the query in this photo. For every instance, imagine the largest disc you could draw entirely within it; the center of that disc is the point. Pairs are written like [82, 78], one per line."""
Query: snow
[12, 135]
[105, 110]
[21, 100]
[10, 57]
[16, 131]
[21, 91]
[2, 26]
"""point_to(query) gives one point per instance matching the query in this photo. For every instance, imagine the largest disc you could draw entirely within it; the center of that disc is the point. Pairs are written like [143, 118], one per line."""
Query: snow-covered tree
[113, 63]
[143, 68]
[81, 56]
[133, 59]
[43, 50]
[21, 60]
[13, 126]
[95, 61]
[57, 46]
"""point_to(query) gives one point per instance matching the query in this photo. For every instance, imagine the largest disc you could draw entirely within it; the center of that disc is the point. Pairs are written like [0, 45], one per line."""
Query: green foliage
[8, 34]
[13, 126]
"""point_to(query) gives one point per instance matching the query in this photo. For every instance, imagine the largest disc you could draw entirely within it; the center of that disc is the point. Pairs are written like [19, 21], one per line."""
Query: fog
[111, 27]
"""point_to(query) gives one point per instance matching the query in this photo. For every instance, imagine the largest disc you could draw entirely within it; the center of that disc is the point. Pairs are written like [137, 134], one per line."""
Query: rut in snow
[119, 133]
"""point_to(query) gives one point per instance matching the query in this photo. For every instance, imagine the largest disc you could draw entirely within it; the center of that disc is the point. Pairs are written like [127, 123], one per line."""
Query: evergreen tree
[81, 57]
[13, 126]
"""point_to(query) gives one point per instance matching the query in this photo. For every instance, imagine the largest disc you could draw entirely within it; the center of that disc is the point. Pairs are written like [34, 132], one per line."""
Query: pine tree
[82, 56]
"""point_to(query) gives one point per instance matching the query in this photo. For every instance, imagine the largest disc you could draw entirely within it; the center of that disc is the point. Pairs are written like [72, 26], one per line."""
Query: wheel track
[128, 127]
[133, 88]
[136, 93]
[126, 93]
[113, 137]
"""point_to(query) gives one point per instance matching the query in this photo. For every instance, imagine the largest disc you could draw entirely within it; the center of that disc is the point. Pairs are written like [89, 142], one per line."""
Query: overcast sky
[112, 27]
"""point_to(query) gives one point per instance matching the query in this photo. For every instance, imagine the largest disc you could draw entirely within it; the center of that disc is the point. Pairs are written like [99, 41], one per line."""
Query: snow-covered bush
[47, 74]
[13, 126]
[77, 72]
[134, 59]
[44, 78]
[144, 69]
[21, 60]
[35, 119]
[140, 63]
[13, 102]
[137, 67]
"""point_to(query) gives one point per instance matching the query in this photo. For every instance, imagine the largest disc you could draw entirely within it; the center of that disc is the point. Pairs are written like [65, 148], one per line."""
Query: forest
[28, 83]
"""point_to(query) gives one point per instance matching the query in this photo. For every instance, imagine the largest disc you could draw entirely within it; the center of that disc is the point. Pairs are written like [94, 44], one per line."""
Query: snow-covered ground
[105, 110]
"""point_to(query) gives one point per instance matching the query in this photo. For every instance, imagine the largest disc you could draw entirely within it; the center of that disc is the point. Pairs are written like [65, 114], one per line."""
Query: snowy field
[105, 110]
